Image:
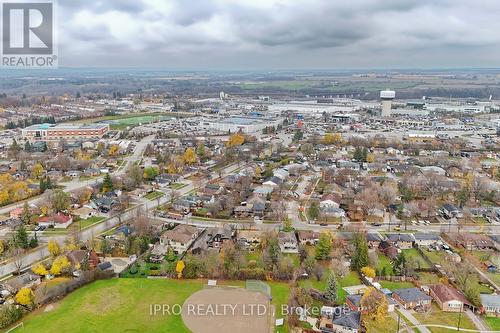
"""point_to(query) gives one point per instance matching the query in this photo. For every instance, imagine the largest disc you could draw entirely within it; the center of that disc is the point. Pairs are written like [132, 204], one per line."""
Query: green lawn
[280, 293]
[177, 186]
[351, 279]
[395, 285]
[116, 305]
[438, 317]
[493, 323]
[384, 261]
[123, 305]
[154, 195]
[387, 325]
[88, 222]
[415, 255]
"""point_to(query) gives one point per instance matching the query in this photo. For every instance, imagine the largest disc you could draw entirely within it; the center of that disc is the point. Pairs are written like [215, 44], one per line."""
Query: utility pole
[399, 320]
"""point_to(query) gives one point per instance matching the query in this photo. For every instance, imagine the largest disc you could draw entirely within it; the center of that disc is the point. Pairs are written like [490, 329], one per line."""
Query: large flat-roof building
[51, 132]
[244, 124]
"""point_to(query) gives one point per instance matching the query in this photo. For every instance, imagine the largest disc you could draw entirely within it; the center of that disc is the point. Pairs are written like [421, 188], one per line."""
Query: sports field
[125, 305]
[116, 305]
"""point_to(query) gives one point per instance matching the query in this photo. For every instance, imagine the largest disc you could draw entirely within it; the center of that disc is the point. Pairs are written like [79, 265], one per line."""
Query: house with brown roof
[180, 238]
[59, 220]
[448, 298]
[308, 237]
[472, 242]
[82, 258]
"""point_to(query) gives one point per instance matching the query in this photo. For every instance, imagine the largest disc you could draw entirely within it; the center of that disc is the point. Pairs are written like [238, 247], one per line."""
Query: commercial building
[50, 132]
[241, 124]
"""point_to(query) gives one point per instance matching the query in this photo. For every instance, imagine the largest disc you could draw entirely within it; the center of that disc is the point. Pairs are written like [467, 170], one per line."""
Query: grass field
[154, 195]
[415, 255]
[123, 305]
[116, 305]
[395, 285]
[436, 316]
[493, 323]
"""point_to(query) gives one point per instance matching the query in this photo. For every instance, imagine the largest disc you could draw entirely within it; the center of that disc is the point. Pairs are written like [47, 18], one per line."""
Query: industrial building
[51, 132]
[244, 124]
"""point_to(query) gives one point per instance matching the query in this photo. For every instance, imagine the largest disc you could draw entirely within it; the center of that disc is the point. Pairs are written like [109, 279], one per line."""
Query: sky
[279, 34]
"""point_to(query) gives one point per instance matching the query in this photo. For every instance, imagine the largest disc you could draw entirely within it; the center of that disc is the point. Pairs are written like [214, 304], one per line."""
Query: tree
[107, 184]
[189, 156]
[179, 268]
[22, 237]
[375, 304]
[236, 139]
[331, 288]
[313, 211]
[26, 214]
[399, 264]
[39, 269]
[60, 201]
[360, 258]
[287, 224]
[368, 272]
[53, 248]
[37, 170]
[324, 247]
[25, 297]
[60, 265]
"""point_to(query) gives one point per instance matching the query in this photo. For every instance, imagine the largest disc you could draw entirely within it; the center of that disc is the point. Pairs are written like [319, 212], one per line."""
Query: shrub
[9, 314]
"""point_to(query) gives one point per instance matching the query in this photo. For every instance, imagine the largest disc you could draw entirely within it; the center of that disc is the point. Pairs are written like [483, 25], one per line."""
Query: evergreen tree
[27, 147]
[21, 237]
[360, 258]
[34, 241]
[26, 214]
[324, 246]
[107, 184]
[331, 288]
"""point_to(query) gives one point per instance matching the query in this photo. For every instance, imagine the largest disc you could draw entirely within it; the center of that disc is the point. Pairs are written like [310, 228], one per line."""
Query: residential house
[374, 239]
[243, 211]
[450, 211]
[263, 191]
[25, 280]
[180, 238]
[83, 258]
[249, 238]
[308, 237]
[273, 182]
[346, 323]
[490, 305]
[426, 239]
[288, 242]
[472, 242]
[84, 212]
[58, 221]
[354, 302]
[412, 298]
[448, 298]
[218, 236]
[402, 241]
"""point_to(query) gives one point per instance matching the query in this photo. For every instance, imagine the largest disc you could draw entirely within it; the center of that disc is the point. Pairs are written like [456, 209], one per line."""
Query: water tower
[386, 96]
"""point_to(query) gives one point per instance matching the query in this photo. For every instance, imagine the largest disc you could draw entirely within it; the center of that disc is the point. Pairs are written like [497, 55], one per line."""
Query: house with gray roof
[412, 298]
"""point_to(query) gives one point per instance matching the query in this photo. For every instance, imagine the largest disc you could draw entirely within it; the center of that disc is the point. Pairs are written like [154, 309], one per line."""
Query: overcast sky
[279, 34]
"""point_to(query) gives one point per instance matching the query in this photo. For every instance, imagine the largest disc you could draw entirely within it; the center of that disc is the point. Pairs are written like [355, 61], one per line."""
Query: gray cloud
[279, 33]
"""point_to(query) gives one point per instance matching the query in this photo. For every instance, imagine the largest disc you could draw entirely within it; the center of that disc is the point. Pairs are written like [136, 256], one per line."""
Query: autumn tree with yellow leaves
[189, 156]
[53, 248]
[40, 269]
[375, 304]
[60, 265]
[236, 139]
[25, 297]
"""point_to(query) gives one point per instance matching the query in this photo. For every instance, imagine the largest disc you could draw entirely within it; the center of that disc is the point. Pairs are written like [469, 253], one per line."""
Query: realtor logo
[28, 35]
